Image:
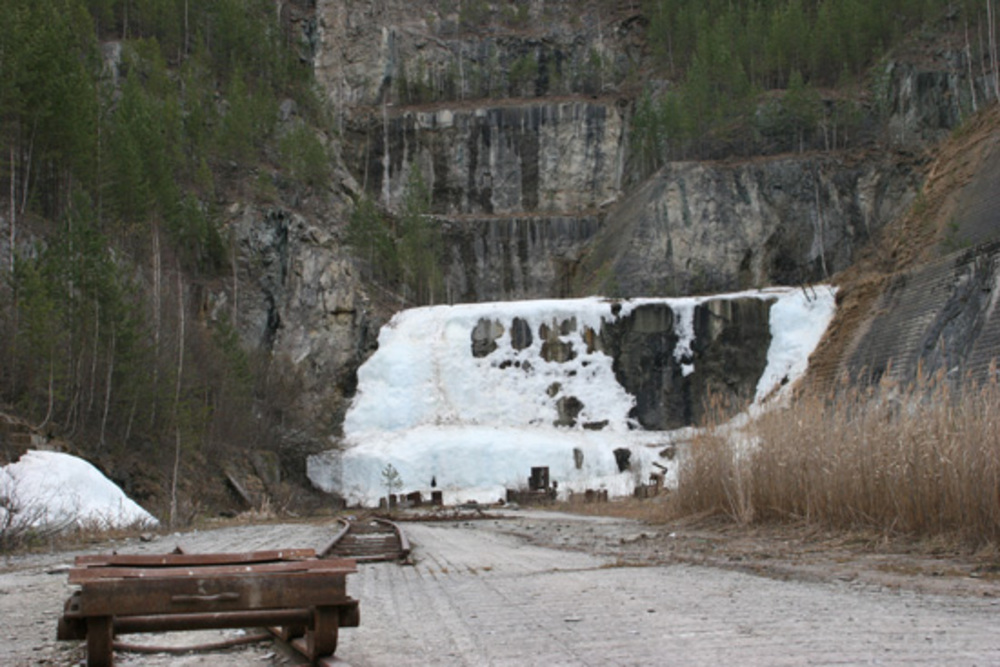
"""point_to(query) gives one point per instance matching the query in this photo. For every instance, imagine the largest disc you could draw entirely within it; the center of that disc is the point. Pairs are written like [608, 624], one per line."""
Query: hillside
[210, 209]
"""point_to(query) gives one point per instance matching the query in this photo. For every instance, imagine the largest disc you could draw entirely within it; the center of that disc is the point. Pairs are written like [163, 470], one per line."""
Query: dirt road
[553, 589]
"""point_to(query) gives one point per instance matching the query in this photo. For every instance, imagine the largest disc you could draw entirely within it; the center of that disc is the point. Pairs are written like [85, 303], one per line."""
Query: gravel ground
[543, 588]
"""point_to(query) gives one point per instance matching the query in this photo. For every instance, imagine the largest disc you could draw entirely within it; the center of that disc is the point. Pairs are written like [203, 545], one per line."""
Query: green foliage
[473, 14]
[121, 160]
[593, 73]
[304, 156]
[417, 88]
[73, 301]
[523, 74]
[772, 38]
[48, 103]
[245, 124]
[802, 106]
[406, 251]
[722, 56]
[142, 150]
[648, 140]
[517, 16]
[953, 238]
[197, 239]
[372, 238]
[420, 243]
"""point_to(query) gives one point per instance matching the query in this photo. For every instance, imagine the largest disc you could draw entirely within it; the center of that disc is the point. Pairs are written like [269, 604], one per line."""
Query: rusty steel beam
[177, 560]
[126, 625]
[348, 615]
[90, 574]
[196, 594]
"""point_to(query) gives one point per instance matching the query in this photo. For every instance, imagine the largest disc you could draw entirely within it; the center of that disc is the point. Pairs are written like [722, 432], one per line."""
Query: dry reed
[922, 460]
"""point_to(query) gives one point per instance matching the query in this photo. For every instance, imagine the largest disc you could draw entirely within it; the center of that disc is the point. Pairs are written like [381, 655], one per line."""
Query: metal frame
[303, 599]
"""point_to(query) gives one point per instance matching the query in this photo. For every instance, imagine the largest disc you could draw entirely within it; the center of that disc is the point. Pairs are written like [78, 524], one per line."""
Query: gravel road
[526, 591]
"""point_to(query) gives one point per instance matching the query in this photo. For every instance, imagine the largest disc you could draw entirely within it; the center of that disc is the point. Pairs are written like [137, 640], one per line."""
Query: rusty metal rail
[304, 596]
[367, 541]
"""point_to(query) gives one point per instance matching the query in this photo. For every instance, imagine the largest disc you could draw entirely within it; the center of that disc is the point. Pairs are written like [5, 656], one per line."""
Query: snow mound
[55, 490]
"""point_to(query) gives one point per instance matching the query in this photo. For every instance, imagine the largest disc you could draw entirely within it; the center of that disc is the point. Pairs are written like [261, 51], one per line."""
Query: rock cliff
[517, 120]
[711, 227]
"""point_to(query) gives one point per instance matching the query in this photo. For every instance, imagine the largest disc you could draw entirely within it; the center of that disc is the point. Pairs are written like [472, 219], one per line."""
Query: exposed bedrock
[518, 257]
[925, 102]
[411, 52]
[557, 157]
[676, 381]
[712, 227]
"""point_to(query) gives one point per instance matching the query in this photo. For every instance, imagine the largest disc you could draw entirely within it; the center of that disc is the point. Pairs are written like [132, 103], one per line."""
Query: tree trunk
[156, 322]
[13, 208]
[26, 181]
[177, 400]
[48, 413]
[991, 20]
[236, 281]
[968, 61]
[107, 388]
[94, 356]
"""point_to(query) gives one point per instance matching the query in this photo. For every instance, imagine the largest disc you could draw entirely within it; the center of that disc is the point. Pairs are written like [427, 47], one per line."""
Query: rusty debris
[302, 598]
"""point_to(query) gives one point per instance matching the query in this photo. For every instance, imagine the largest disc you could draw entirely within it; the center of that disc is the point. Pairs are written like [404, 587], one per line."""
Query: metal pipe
[213, 620]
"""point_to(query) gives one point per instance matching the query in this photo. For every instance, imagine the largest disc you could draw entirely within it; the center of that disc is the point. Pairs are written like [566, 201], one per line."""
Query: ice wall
[470, 397]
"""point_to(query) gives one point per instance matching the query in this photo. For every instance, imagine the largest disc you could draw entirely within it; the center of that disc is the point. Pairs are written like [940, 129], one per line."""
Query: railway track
[368, 541]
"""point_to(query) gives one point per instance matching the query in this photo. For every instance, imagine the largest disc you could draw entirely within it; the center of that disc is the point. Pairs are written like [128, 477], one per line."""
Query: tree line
[121, 124]
[742, 73]
[403, 250]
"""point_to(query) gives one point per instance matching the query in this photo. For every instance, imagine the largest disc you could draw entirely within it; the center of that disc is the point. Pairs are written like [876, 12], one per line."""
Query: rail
[368, 541]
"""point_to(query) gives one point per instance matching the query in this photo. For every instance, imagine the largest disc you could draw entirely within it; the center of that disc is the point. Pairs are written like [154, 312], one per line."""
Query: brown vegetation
[921, 461]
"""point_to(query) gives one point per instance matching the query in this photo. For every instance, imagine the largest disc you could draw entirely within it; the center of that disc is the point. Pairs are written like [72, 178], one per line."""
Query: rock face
[515, 189]
[925, 103]
[703, 228]
[728, 347]
[506, 113]
[516, 118]
[412, 52]
[511, 118]
[557, 157]
[525, 257]
[298, 302]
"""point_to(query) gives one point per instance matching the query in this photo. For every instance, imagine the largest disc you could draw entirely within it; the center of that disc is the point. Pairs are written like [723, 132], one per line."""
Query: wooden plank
[90, 574]
[130, 597]
[152, 560]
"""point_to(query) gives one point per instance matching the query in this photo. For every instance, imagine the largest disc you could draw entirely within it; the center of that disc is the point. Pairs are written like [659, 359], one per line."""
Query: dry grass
[651, 509]
[921, 461]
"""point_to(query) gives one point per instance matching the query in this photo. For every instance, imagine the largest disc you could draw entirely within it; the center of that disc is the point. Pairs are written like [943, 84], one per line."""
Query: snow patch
[51, 489]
